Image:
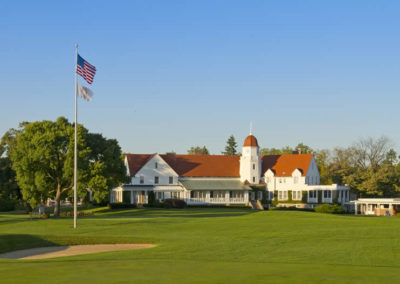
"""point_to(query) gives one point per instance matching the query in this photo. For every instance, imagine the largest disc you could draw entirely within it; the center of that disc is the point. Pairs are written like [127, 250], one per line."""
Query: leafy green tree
[10, 193]
[304, 149]
[230, 148]
[197, 150]
[322, 158]
[43, 158]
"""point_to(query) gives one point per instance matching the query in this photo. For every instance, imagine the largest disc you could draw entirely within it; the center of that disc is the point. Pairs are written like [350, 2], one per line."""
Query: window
[254, 166]
[192, 194]
[282, 195]
[254, 179]
[141, 179]
[327, 194]
[296, 195]
[171, 180]
[260, 195]
[156, 165]
[312, 194]
[156, 179]
[211, 194]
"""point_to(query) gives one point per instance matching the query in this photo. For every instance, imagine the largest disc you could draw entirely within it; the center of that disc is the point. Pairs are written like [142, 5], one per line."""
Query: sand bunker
[52, 252]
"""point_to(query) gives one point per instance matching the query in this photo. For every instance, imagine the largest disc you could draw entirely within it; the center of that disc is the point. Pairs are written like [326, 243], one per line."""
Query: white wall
[149, 171]
[250, 157]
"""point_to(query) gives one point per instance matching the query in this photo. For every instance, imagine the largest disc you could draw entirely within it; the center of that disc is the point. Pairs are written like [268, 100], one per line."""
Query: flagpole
[76, 138]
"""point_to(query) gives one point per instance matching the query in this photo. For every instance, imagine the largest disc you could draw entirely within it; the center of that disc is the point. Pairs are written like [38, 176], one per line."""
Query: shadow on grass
[13, 242]
[174, 213]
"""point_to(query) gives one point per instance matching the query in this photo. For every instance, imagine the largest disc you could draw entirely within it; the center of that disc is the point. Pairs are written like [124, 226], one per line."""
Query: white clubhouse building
[225, 180]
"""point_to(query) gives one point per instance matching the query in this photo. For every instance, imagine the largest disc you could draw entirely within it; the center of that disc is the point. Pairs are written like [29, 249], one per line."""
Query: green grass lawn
[208, 245]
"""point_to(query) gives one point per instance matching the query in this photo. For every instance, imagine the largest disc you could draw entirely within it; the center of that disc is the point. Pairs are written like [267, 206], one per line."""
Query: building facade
[281, 180]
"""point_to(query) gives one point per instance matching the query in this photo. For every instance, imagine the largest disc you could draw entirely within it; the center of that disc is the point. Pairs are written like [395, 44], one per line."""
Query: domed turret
[250, 141]
[250, 161]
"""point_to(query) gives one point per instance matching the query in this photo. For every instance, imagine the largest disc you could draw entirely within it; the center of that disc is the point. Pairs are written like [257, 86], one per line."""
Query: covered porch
[377, 206]
[216, 191]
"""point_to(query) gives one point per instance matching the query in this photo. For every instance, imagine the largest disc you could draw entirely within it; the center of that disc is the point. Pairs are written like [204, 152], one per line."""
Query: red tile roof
[284, 165]
[221, 165]
[250, 141]
[204, 165]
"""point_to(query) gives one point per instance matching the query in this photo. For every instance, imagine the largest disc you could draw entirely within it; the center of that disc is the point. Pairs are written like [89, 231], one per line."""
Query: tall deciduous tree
[198, 150]
[230, 148]
[43, 159]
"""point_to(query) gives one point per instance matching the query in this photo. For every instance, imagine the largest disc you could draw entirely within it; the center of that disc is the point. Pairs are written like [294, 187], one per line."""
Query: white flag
[85, 93]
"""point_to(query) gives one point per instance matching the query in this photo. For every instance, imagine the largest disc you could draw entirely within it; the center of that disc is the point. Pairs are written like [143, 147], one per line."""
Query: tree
[302, 148]
[43, 158]
[198, 150]
[322, 158]
[10, 193]
[230, 148]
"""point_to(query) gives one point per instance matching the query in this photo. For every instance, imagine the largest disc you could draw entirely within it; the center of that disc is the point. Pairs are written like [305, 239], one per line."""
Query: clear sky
[174, 74]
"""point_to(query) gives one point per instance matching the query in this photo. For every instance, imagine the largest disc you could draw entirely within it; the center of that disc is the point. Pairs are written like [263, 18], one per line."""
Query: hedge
[7, 205]
[329, 208]
[218, 206]
[174, 203]
[121, 205]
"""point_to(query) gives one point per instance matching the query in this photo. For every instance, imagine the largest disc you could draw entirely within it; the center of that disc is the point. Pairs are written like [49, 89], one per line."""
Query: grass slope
[208, 245]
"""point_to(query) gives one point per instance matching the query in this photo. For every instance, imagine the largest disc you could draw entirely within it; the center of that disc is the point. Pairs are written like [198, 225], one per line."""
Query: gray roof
[209, 184]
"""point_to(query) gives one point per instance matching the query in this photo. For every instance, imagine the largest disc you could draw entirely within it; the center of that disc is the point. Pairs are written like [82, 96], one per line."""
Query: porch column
[131, 196]
[390, 208]
[246, 196]
[207, 196]
[145, 197]
[227, 198]
[355, 208]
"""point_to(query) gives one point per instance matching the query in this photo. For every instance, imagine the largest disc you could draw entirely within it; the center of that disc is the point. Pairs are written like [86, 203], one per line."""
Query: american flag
[85, 69]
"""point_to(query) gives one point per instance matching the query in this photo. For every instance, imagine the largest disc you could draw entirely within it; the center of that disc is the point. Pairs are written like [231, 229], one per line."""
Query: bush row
[330, 208]
[217, 206]
[118, 205]
[79, 213]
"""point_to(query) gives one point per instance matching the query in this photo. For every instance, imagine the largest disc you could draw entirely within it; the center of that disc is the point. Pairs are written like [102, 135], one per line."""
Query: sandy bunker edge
[60, 251]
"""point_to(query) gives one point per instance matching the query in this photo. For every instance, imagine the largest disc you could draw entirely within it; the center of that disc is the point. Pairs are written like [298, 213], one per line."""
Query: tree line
[36, 163]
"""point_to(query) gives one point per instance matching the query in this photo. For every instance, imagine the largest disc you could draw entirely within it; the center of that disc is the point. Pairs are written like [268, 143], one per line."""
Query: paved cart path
[60, 251]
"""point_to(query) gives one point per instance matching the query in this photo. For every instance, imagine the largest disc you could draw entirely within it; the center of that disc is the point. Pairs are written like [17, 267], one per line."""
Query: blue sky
[174, 74]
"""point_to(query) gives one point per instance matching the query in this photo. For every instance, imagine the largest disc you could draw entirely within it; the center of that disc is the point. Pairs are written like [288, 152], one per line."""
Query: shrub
[174, 203]
[121, 206]
[304, 195]
[7, 204]
[126, 197]
[152, 199]
[79, 213]
[218, 206]
[291, 208]
[329, 208]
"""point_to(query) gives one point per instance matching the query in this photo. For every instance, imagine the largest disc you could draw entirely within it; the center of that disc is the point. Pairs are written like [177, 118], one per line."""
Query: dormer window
[141, 179]
[156, 165]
